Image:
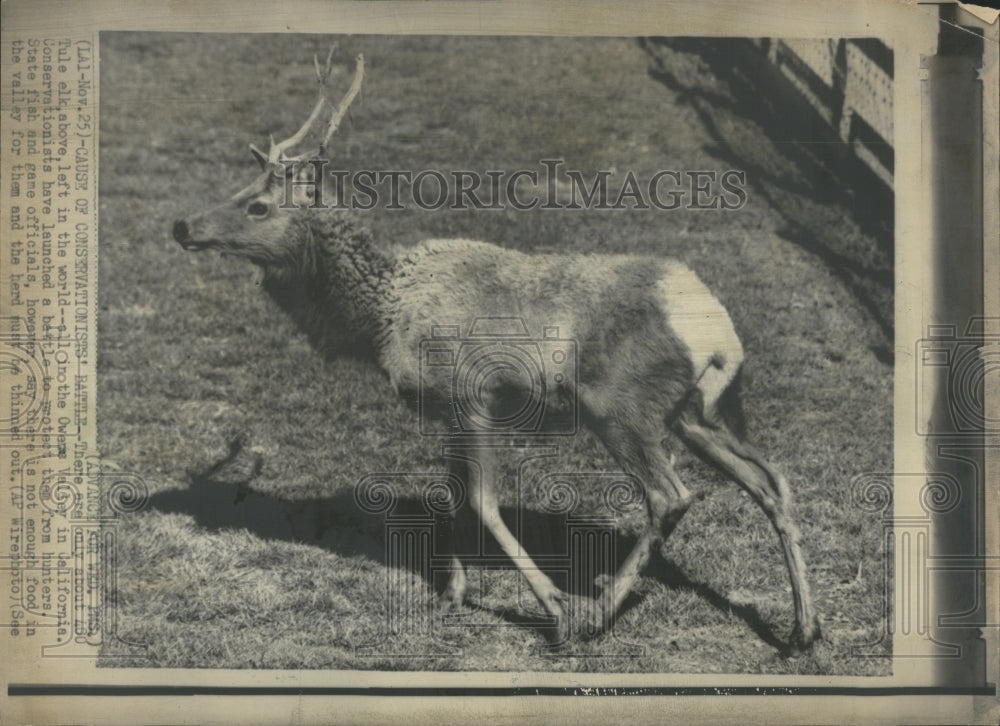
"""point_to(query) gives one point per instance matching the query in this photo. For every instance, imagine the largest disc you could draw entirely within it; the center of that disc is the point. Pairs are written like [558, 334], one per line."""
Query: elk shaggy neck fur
[333, 282]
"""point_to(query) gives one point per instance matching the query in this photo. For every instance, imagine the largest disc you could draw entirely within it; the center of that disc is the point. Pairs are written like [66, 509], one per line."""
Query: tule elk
[652, 349]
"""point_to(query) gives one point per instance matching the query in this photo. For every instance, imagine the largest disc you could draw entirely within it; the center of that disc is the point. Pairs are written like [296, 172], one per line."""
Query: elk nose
[180, 230]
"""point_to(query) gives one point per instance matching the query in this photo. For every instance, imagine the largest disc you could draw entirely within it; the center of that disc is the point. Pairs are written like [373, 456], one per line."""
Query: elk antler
[276, 153]
[338, 116]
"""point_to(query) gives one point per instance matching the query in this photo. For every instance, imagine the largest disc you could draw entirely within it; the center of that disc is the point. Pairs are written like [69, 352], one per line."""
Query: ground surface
[193, 356]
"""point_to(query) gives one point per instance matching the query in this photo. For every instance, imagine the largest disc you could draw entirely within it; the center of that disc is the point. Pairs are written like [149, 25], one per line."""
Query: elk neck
[336, 286]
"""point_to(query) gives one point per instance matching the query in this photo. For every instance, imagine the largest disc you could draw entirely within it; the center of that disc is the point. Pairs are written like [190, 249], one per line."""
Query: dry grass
[193, 354]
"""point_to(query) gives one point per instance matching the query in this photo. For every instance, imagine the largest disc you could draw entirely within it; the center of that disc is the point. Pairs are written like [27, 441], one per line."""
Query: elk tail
[730, 407]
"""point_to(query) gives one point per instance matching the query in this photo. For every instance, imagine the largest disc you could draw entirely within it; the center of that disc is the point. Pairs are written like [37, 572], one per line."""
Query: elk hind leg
[664, 512]
[747, 467]
[667, 499]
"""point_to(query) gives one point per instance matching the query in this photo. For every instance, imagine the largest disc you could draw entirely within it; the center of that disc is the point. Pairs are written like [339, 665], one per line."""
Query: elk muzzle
[182, 234]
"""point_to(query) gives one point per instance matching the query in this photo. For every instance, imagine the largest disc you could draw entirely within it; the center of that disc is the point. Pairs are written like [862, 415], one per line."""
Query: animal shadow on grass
[337, 524]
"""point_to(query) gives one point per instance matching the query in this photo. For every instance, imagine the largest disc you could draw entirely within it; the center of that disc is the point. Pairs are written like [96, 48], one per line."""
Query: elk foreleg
[454, 592]
[455, 535]
[483, 475]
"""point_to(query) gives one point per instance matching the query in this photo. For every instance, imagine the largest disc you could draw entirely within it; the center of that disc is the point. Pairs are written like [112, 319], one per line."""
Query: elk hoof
[802, 638]
[596, 624]
[453, 595]
[604, 582]
[448, 601]
[552, 599]
[591, 617]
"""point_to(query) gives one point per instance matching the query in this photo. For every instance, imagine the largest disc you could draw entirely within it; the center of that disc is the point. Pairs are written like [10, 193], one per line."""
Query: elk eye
[258, 209]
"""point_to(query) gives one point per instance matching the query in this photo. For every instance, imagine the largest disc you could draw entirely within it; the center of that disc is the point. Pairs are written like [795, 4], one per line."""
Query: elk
[656, 351]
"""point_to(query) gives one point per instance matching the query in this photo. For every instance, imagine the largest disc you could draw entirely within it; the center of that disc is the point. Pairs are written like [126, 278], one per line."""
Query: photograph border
[924, 688]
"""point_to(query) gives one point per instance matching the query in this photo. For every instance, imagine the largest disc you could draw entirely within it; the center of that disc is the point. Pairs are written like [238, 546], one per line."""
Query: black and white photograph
[455, 353]
[437, 362]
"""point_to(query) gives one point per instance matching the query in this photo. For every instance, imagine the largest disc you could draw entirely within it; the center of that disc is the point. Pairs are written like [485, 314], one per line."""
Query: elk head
[257, 221]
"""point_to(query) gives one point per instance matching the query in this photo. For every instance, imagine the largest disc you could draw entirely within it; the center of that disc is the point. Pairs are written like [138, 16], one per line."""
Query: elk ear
[260, 156]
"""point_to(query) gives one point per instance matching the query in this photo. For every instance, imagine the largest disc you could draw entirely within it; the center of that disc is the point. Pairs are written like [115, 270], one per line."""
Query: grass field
[192, 356]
